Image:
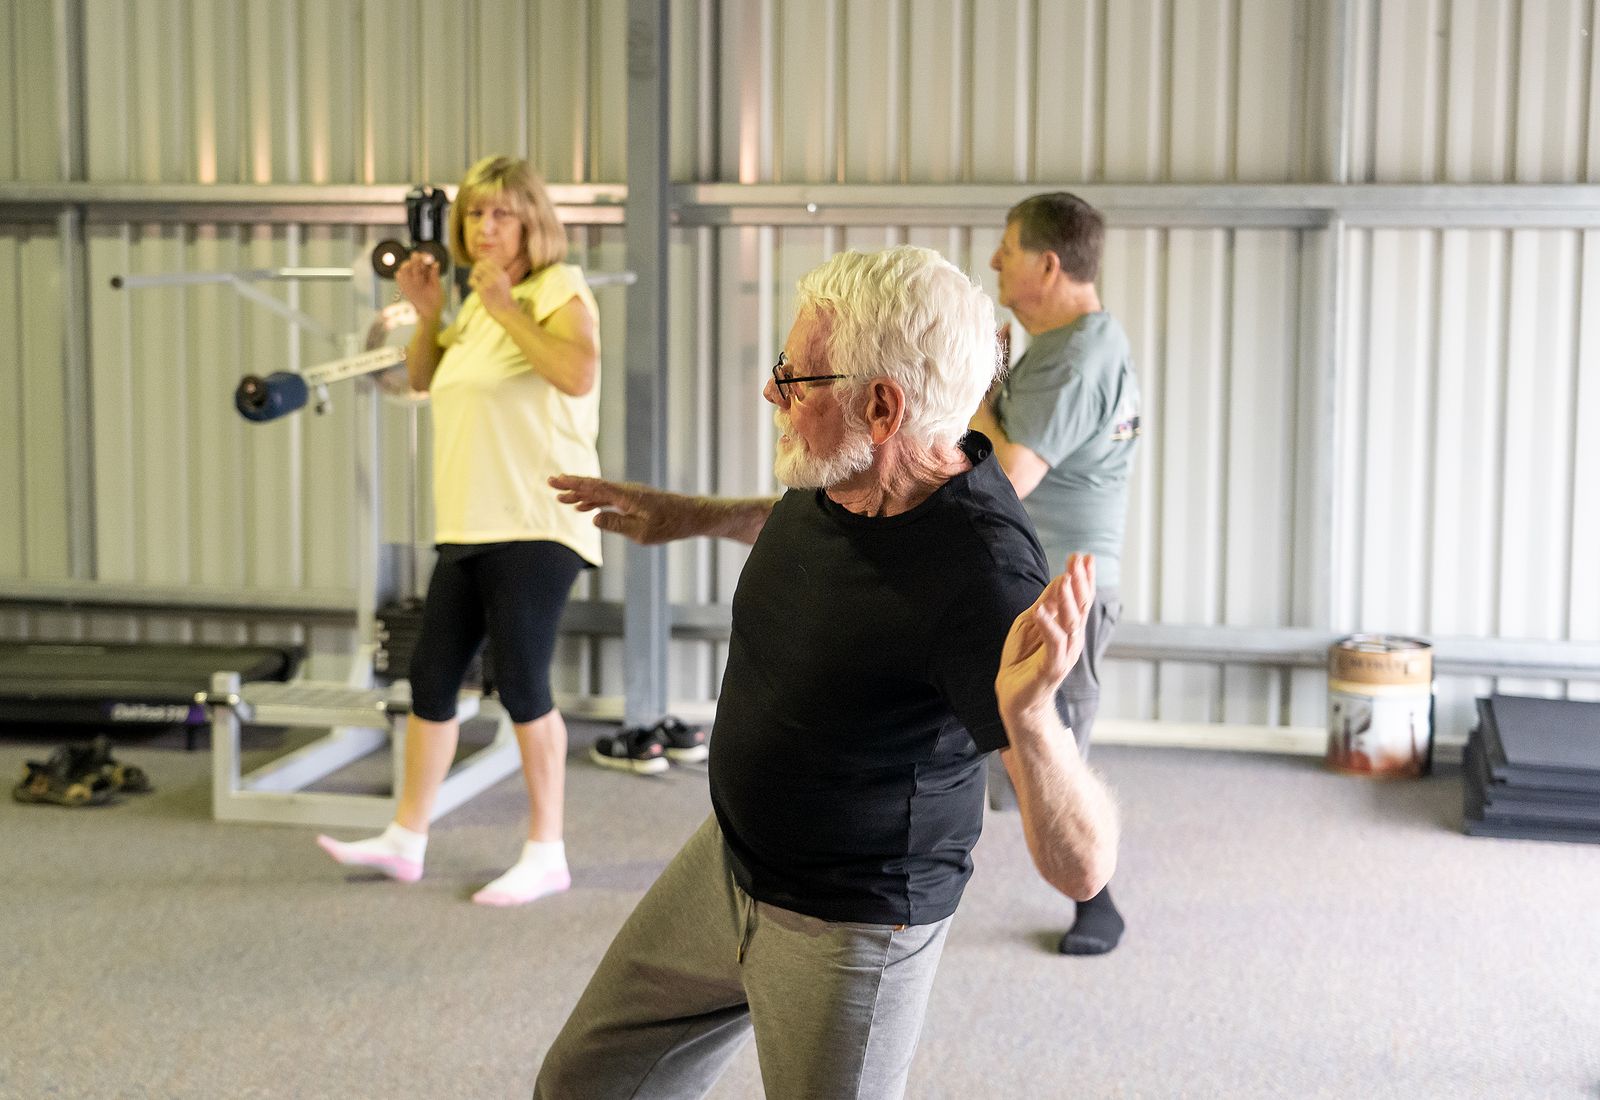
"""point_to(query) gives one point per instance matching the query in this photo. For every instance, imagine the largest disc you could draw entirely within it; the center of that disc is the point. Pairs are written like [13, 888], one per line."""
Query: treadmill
[126, 683]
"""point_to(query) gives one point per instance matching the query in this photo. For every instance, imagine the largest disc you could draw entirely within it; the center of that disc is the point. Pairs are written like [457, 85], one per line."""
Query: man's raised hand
[1046, 641]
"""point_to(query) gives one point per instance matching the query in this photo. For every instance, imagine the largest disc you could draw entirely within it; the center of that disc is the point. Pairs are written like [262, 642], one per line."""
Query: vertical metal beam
[1319, 567]
[1332, 495]
[645, 613]
[71, 143]
[1324, 307]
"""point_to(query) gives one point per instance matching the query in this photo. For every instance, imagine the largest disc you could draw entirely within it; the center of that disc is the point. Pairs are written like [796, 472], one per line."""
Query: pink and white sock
[397, 852]
[541, 871]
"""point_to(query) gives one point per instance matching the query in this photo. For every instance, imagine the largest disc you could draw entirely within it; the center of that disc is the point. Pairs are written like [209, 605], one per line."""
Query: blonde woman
[515, 384]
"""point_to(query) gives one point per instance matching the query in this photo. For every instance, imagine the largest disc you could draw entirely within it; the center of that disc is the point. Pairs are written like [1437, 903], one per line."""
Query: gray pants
[836, 1008]
[1078, 701]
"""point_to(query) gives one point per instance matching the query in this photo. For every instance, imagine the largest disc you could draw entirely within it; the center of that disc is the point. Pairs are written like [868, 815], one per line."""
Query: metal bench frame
[359, 722]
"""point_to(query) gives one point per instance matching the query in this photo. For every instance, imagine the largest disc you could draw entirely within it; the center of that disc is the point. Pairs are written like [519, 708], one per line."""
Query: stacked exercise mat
[1532, 769]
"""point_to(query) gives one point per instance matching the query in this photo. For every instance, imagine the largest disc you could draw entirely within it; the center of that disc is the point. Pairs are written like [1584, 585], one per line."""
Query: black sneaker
[636, 750]
[685, 744]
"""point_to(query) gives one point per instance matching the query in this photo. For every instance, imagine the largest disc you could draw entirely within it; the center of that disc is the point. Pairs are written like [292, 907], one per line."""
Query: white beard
[797, 468]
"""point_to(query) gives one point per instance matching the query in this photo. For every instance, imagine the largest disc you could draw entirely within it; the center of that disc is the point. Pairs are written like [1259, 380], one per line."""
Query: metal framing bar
[193, 278]
[1177, 204]
[646, 626]
[1281, 647]
[259, 204]
[336, 605]
[286, 195]
[1293, 205]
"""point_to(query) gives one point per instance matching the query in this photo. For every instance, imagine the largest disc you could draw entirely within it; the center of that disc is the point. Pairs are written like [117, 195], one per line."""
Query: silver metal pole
[190, 278]
[1338, 571]
[646, 622]
[76, 373]
[241, 280]
[369, 531]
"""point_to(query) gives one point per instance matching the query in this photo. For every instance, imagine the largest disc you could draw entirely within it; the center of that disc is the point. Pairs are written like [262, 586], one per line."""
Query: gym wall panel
[1584, 505]
[1468, 498]
[30, 135]
[190, 494]
[1133, 286]
[226, 91]
[45, 428]
[1000, 91]
[33, 427]
[1482, 91]
[13, 451]
[330, 140]
[1260, 567]
[808, 103]
[1068, 94]
[1274, 131]
[348, 91]
[587, 664]
[13, 475]
[693, 119]
[1213, 318]
[692, 444]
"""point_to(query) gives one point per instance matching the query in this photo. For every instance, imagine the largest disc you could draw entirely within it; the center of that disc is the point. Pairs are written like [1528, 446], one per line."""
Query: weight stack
[399, 626]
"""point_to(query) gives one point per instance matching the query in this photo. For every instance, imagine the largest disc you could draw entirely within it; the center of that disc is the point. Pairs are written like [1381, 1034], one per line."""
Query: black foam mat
[1497, 802]
[1553, 744]
[1548, 733]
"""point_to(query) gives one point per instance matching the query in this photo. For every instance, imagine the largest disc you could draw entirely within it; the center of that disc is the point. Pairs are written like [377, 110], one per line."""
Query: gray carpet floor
[1292, 933]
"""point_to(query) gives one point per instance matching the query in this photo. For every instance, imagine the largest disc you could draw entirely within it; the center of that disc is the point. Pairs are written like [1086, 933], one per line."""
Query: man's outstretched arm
[1069, 817]
[651, 516]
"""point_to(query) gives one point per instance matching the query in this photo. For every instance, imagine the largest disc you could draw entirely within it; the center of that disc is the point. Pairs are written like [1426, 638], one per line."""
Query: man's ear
[885, 409]
[1052, 262]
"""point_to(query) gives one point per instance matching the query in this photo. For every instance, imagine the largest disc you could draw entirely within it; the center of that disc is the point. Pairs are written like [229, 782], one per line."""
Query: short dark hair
[1066, 225]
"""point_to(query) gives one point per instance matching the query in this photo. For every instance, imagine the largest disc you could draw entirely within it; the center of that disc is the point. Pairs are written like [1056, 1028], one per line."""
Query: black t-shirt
[858, 700]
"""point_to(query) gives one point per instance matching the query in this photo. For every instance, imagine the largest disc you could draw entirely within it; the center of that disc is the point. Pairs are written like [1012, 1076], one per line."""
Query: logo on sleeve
[1126, 424]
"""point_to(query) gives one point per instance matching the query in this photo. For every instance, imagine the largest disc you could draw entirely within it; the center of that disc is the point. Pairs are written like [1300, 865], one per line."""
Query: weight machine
[360, 715]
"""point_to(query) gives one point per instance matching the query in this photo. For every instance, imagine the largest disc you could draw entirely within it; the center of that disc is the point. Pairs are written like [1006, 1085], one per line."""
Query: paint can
[1380, 705]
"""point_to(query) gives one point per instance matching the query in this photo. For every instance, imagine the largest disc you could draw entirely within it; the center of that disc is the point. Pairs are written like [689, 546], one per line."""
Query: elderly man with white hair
[892, 627]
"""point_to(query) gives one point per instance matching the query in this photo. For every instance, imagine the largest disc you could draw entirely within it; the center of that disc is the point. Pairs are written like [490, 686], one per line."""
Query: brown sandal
[50, 782]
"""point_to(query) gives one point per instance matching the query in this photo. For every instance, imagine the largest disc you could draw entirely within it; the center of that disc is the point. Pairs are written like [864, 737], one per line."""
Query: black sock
[1097, 928]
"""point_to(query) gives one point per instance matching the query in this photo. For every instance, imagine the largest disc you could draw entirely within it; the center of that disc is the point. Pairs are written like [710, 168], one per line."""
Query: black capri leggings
[514, 593]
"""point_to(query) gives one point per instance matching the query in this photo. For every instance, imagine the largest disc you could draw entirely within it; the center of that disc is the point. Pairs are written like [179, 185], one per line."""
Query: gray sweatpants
[836, 1008]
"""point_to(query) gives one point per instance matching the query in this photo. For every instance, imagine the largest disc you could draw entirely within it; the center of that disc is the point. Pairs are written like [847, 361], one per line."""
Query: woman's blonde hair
[524, 192]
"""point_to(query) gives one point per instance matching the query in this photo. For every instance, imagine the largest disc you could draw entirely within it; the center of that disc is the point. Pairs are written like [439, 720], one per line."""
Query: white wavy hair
[908, 314]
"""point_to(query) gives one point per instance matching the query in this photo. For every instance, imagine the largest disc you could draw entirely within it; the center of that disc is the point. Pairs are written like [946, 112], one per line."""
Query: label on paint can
[1380, 705]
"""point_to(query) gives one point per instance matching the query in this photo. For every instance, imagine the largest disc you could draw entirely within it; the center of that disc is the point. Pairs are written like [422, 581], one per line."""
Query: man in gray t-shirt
[1065, 424]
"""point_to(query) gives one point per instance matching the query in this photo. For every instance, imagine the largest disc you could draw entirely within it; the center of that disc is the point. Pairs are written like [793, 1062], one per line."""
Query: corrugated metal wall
[1467, 502]
[351, 91]
[946, 91]
[1464, 369]
[938, 91]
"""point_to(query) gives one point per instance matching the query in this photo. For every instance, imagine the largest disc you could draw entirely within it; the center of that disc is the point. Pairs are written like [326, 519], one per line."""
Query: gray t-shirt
[1073, 400]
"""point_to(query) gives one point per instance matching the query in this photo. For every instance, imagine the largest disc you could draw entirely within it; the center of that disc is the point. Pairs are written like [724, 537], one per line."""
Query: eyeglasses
[784, 381]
